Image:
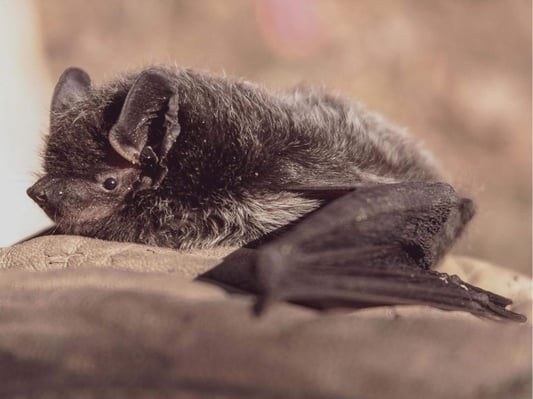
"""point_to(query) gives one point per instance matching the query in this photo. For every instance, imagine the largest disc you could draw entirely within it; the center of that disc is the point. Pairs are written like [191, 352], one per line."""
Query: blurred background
[456, 74]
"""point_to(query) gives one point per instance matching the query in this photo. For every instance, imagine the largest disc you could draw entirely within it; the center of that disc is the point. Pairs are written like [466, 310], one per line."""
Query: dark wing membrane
[375, 246]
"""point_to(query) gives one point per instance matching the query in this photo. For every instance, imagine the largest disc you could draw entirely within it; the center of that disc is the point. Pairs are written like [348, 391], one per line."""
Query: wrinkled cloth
[84, 318]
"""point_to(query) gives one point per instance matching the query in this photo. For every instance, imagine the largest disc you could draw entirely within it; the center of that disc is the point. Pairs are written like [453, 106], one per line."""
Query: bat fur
[239, 150]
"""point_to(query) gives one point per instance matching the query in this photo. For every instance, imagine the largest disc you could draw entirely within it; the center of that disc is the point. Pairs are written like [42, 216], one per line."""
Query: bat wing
[375, 246]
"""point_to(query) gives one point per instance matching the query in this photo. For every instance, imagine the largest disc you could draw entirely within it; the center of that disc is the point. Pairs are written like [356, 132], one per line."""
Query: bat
[343, 207]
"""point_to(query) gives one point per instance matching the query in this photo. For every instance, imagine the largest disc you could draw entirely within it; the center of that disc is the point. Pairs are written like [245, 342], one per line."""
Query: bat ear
[72, 86]
[146, 99]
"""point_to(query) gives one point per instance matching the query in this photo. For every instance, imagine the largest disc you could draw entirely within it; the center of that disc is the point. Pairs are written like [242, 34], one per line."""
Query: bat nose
[38, 194]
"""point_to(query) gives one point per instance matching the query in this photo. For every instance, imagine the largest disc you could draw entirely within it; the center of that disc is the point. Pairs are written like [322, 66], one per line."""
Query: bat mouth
[51, 211]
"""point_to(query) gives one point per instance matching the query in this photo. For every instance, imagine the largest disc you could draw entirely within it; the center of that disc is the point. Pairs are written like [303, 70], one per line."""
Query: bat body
[184, 159]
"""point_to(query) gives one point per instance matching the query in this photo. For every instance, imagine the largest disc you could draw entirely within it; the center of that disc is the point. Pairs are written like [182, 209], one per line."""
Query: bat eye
[110, 183]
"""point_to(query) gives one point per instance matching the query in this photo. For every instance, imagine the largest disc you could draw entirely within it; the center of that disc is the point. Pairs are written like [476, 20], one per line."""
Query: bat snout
[38, 194]
[46, 194]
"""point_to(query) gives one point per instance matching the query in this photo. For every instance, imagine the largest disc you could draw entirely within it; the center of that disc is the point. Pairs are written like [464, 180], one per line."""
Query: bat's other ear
[72, 86]
[146, 99]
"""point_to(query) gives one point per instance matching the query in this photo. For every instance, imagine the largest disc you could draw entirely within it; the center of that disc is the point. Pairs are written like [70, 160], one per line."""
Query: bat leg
[376, 246]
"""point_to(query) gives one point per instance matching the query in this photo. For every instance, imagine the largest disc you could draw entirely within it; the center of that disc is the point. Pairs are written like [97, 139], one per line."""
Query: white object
[24, 96]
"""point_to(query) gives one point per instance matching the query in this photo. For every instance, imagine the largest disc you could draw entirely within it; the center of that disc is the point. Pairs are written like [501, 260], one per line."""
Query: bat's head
[92, 168]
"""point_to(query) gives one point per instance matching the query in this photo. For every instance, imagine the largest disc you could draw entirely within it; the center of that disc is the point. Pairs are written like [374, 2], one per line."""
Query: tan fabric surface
[61, 252]
[92, 319]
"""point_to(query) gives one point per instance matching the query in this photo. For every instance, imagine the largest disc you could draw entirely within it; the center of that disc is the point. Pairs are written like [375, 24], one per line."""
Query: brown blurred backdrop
[457, 74]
